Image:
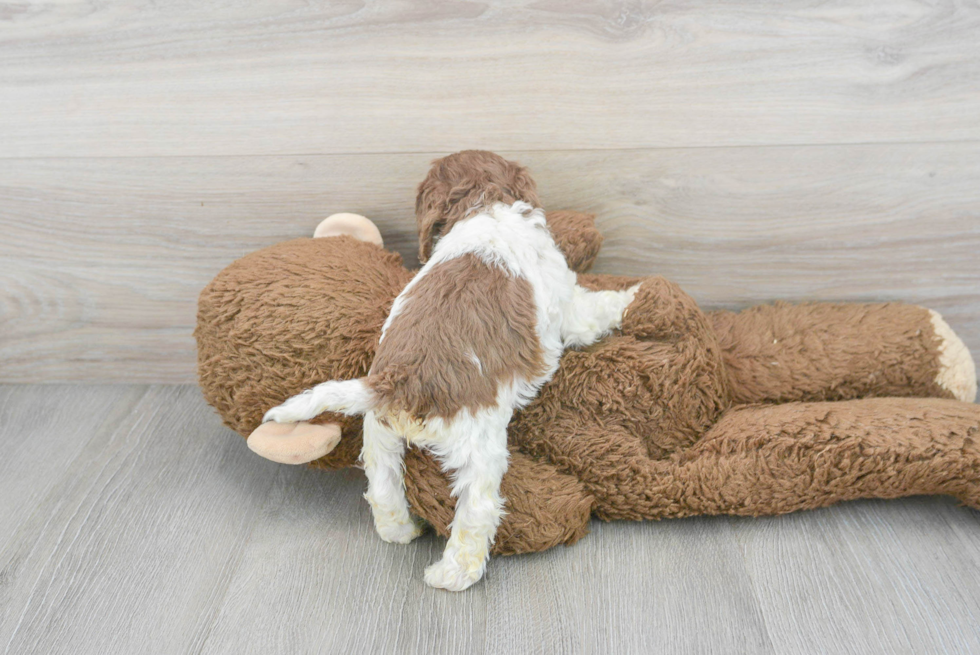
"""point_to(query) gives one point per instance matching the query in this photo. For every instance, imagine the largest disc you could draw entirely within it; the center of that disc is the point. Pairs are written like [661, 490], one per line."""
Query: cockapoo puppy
[468, 341]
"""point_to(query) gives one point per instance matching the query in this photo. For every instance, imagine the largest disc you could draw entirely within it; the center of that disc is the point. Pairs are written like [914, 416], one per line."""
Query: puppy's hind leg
[479, 460]
[383, 456]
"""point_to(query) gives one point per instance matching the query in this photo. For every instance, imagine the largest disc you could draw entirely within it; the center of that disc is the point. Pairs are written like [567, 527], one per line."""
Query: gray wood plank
[672, 587]
[43, 430]
[869, 577]
[316, 579]
[148, 78]
[162, 533]
[102, 259]
[132, 549]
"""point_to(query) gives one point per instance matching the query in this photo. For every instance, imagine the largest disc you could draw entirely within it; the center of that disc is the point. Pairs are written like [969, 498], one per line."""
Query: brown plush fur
[462, 182]
[460, 309]
[767, 350]
[576, 236]
[652, 422]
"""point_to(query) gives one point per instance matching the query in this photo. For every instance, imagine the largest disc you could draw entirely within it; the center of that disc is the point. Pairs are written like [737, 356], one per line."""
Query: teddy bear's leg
[610, 461]
[824, 351]
[772, 459]
[781, 458]
[543, 508]
[957, 370]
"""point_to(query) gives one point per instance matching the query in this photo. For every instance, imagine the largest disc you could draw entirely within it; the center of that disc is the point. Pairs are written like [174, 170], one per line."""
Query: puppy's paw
[628, 296]
[400, 533]
[293, 410]
[282, 414]
[450, 575]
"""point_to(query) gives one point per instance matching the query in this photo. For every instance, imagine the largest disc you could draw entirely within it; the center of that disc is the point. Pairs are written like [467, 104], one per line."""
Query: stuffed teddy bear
[773, 409]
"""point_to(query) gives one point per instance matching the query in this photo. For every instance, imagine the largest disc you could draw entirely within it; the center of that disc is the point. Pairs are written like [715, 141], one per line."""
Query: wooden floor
[133, 522]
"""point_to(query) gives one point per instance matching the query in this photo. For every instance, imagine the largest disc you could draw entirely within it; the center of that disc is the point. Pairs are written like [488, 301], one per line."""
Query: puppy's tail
[343, 396]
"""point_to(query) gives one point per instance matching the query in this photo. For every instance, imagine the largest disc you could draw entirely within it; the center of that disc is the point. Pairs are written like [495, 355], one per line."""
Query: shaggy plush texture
[765, 411]
[769, 352]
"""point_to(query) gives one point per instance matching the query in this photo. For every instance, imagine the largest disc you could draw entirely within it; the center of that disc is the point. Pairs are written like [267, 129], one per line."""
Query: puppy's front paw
[292, 411]
[448, 574]
[400, 533]
[628, 296]
[280, 414]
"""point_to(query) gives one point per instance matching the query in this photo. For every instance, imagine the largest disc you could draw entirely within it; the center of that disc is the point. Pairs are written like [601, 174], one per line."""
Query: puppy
[468, 341]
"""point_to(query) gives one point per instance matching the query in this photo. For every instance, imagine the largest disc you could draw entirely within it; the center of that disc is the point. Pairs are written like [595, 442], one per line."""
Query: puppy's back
[464, 328]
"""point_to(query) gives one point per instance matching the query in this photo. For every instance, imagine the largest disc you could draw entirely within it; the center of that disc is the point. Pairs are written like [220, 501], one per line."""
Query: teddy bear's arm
[824, 351]
[576, 236]
[814, 351]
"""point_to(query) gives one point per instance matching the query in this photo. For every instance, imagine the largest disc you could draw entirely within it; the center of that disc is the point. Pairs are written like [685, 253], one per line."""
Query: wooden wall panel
[146, 78]
[102, 259]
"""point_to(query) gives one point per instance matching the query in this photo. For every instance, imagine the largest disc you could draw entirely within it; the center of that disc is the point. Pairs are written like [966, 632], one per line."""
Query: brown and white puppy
[470, 339]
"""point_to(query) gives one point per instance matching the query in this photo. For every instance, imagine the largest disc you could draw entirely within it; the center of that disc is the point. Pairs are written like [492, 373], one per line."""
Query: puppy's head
[460, 183]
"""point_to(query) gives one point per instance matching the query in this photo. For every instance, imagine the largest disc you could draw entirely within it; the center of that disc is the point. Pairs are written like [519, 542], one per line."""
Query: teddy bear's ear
[521, 186]
[576, 236]
[355, 225]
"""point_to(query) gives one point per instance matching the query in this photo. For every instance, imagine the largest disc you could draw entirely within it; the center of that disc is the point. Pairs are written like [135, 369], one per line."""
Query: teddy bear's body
[770, 410]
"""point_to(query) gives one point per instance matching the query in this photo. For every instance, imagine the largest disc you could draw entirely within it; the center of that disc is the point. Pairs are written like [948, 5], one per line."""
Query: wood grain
[141, 78]
[102, 259]
[28, 418]
[805, 568]
[316, 578]
[131, 521]
[131, 549]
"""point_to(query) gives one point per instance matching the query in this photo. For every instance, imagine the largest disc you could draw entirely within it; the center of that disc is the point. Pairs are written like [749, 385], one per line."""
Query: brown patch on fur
[461, 182]
[460, 309]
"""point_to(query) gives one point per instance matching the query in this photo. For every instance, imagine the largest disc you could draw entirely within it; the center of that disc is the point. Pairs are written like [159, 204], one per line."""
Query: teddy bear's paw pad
[294, 443]
[400, 533]
[450, 575]
[957, 372]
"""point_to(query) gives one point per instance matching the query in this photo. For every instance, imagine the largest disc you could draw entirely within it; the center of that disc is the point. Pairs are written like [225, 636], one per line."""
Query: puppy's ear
[430, 201]
[523, 187]
[431, 223]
